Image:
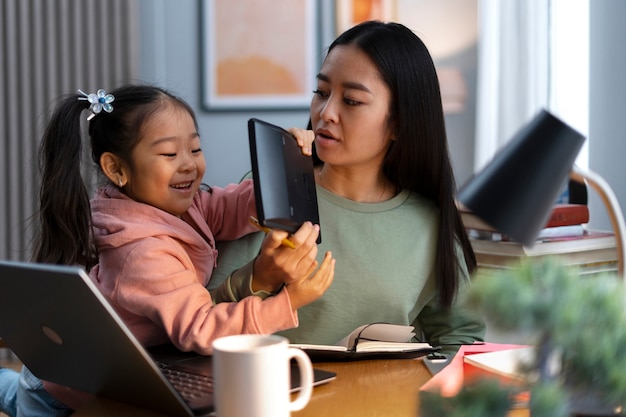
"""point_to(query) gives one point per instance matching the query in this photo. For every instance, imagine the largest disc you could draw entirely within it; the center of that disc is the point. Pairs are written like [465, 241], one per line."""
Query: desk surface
[372, 387]
[378, 388]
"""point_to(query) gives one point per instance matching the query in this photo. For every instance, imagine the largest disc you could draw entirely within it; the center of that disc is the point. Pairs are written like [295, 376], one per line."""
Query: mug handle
[306, 379]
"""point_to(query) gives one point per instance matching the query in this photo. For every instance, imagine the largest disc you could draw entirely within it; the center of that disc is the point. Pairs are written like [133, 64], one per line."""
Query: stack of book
[565, 235]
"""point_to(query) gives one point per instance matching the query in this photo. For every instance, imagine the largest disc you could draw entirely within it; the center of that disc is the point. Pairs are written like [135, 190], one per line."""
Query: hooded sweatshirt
[153, 268]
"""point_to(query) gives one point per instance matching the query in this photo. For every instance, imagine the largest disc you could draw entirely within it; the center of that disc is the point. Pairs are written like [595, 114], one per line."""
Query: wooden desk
[376, 388]
[369, 388]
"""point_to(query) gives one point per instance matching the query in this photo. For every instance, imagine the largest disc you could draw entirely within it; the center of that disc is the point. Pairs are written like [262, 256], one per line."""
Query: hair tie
[99, 101]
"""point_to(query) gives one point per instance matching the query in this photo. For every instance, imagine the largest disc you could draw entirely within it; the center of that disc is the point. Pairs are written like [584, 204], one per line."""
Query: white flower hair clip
[99, 101]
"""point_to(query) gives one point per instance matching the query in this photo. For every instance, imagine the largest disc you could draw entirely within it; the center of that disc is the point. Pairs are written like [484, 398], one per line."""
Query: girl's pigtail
[65, 235]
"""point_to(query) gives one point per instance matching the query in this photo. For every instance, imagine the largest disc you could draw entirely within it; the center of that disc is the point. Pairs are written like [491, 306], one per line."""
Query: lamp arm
[613, 209]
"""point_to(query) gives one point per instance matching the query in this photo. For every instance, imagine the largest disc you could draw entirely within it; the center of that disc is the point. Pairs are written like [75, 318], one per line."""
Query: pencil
[285, 242]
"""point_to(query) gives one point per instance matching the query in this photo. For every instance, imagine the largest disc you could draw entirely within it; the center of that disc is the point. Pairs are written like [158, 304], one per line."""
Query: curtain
[48, 49]
[513, 70]
[532, 54]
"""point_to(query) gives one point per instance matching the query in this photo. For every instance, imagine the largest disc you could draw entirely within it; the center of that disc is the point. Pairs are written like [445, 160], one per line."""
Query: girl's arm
[274, 267]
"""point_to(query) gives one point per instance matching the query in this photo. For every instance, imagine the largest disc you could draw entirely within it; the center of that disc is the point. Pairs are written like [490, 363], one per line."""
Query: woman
[386, 194]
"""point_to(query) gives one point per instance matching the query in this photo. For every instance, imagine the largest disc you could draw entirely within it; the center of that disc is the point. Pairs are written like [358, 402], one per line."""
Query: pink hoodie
[153, 268]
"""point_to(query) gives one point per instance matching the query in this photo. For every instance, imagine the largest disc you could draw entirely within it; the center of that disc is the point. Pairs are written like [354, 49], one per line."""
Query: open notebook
[371, 341]
[69, 334]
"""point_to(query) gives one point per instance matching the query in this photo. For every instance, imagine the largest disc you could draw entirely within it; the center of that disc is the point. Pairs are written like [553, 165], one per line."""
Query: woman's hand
[304, 138]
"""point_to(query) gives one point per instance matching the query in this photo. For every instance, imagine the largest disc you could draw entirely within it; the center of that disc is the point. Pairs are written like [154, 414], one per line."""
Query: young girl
[148, 237]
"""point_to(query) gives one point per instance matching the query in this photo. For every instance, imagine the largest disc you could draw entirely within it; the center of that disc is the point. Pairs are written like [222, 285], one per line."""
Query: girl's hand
[304, 138]
[314, 286]
[277, 264]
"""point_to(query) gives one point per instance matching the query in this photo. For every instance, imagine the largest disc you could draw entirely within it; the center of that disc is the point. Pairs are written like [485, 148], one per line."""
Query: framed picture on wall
[259, 54]
[352, 12]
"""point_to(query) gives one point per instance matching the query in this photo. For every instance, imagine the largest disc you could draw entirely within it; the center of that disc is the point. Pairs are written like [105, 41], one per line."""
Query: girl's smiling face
[350, 110]
[167, 163]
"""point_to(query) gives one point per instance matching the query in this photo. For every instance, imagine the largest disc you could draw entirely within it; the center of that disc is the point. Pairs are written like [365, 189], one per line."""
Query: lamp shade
[516, 190]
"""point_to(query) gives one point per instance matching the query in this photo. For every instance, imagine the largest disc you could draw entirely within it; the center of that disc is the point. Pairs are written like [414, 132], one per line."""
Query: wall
[171, 57]
[607, 101]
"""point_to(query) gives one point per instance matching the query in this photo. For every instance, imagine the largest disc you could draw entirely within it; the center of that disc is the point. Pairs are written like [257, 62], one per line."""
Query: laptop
[58, 324]
[284, 182]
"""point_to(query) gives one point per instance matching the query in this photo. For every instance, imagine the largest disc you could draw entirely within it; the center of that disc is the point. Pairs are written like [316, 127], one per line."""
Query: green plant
[582, 319]
[578, 321]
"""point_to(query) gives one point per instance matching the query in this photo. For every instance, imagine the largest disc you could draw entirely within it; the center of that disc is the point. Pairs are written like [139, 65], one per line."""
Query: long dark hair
[65, 236]
[418, 159]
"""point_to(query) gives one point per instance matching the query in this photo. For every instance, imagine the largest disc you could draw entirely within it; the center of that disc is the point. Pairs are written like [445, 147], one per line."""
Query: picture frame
[259, 55]
[352, 12]
[444, 33]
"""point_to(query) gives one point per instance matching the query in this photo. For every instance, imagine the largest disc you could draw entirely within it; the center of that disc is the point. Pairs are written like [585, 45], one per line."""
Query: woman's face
[350, 110]
[168, 164]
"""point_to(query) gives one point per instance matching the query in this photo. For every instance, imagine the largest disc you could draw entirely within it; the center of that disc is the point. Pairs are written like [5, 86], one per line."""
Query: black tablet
[284, 183]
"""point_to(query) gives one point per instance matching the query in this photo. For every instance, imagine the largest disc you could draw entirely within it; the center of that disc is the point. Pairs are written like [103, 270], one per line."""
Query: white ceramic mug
[251, 375]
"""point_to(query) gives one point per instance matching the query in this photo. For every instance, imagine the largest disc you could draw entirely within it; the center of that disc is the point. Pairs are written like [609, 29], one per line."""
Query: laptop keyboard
[190, 386]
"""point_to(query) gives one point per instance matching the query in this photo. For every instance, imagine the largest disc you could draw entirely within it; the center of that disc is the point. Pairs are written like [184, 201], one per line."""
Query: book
[571, 230]
[370, 341]
[591, 253]
[568, 214]
[449, 381]
[505, 365]
[563, 214]
[590, 241]
[510, 367]
[582, 268]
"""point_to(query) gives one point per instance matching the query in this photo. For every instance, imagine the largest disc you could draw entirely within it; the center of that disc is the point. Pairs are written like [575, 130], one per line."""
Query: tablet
[284, 183]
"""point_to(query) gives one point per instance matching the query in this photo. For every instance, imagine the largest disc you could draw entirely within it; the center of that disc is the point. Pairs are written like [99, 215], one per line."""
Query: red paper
[449, 381]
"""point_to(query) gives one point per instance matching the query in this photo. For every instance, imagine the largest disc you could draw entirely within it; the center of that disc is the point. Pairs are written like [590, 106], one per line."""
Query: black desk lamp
[515, 192]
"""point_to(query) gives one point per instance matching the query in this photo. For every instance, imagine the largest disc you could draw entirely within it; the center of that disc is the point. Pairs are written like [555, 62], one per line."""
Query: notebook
[284, 182]
[59, 325]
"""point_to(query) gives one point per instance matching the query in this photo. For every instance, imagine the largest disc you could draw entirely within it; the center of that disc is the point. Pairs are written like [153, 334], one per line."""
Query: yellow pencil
[285, 242]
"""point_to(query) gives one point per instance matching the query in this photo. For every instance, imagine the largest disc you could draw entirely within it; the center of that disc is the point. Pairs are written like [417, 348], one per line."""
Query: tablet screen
[284, 182]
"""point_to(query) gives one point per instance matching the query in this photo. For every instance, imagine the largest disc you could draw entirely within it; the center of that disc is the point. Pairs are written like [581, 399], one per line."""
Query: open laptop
[58, 323]
[284, 182]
